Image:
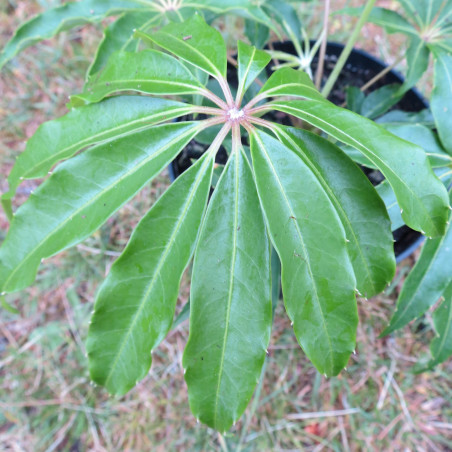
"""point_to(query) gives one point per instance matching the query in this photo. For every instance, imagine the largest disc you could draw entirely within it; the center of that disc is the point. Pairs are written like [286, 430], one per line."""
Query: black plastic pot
[359, 69]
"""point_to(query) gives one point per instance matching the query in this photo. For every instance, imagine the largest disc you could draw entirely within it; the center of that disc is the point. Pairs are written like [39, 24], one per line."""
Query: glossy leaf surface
[148, 71]
[230, 305]
[360, 209]
[246, 8]
[425, 283]
[62, 138]
[380, 101]
[317, 277]
[441, 346]
[72, 14]
[118, 36]
[390, 20]
[289, 82]
[420, 194]
[194, 42]
[135, 307]
[83, 192]
[386, 193]
[441, 100]
[417, 57]
[251, 63]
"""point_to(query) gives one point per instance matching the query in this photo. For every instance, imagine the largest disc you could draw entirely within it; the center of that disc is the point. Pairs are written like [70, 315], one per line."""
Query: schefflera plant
[295, 191]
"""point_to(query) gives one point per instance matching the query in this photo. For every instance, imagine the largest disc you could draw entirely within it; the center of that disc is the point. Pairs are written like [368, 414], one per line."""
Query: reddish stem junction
[231, 114]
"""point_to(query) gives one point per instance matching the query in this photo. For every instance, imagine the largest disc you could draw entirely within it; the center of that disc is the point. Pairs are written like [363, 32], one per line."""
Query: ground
[46, 400]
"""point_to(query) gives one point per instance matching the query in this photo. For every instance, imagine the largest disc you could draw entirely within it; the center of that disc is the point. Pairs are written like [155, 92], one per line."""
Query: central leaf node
[235, 114]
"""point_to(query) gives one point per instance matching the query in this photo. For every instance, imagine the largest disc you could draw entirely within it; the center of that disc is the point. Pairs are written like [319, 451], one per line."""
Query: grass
[46, 400]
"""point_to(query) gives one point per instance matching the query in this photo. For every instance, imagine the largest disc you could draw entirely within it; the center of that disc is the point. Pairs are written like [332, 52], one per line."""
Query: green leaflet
[413, 10]
[380, 101]
[81, 194]
[246, 8]
[422, 11]
[386, 193]
[231, 309]
[390, 20]
[62, 138]
[317, 276]
[425, 283]
[285, 15]
[251, 63]
[135, 307]
[420, 194]
[53, 21]
[425, 138]
[441, 346]
[360, 209]
[441, 100]
[417, 57]
[257, 33]
[194, 42]
[148, 71]
[118, 36]
[289, 82]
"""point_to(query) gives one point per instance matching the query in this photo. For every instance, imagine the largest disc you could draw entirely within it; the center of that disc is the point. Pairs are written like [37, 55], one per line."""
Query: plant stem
[252, 102]
[214, 98]
[319, 73]
[226, 91]
[211, 122]
[348, 48]
[216, 143]
[7, 207]
[236, 137]
[382, 73]
[262, 122]
[261, 109]
[207, 110]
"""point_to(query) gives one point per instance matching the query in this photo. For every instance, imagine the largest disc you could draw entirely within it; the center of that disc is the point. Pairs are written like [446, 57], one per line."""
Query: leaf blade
[148, 71]
[251, 63]
[194, 42]
[148, 273]
[82, 193]
[230, 295]
[426, 282]
[324, 316]
[441, 346]
[290, 82]
[442, 97]
[370, 241]
[61, 138]
[420, 194]
[55, 20]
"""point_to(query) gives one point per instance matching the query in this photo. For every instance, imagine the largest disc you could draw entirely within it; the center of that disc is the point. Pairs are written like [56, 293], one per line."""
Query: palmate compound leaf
[431, 275]
[230, 301]
[81, 194]
[361, 210]
[148, 71]
[64, 17]
[318, 282]
[421, 196]
[135, 306]
[61, 138]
